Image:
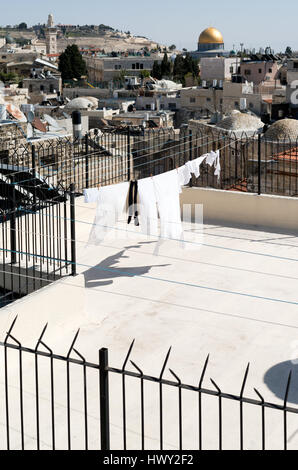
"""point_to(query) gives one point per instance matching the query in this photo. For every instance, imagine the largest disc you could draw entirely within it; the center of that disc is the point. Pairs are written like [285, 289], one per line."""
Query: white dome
[241, 122]
[285, 129]
[80, 104]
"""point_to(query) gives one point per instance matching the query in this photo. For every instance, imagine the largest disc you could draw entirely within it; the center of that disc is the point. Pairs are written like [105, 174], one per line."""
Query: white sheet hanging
[148, 215]
[167, 190]
[111, 202]
[91, 195]
[184, 175]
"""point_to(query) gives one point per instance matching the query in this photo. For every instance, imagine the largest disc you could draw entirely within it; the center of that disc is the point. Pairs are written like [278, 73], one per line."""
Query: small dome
[241, 122]
[211, 36]
[80, 104]
[285, 129]
[93, 100]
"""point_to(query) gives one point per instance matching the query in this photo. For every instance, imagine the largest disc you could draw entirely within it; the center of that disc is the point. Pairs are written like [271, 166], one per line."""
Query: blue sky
[255, 23]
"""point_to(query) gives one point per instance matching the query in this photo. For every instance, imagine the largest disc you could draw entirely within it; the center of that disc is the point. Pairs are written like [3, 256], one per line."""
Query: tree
[289, 51]
[185, 66]
[22, 26]
[172, 47]
[71, 63]
[165, 66]
[156, 70]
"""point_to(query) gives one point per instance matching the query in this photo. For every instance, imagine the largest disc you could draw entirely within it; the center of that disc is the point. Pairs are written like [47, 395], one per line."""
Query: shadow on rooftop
[276, 380]
[103, 273]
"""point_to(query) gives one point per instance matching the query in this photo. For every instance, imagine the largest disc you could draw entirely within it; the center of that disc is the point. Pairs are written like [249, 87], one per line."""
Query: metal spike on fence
[244, 381]
[176, 376]
[128, 355]
[79, 355]
[73, 343]
[41, 336]
[204, 371]
[287, 390]
[216, 386]
[165, 363]
[10, 329]
[260, 396]
[138, 369]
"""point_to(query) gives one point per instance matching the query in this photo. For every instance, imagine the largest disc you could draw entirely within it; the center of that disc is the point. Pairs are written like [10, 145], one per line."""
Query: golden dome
[211, 36]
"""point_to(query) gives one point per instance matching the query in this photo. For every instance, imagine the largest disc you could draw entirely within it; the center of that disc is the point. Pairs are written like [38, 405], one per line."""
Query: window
[41, 88]
[172, 105]
[260, 70]
[295, 65]
[208, 100]
[51, 88]
[247, 72]
[30, 88]
[251, 105]
[270, 70]
[142, 66]
[236, 104]
[133, 66]
[148, 106]
[137, 66]
[192, 100]
[232, 69]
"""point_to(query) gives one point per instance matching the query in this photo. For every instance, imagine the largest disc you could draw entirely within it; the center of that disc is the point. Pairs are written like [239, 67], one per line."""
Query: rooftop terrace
[231, 294]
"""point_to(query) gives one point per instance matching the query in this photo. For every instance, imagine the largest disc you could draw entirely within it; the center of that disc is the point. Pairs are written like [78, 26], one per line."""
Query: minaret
[50, 21]
[51, 36]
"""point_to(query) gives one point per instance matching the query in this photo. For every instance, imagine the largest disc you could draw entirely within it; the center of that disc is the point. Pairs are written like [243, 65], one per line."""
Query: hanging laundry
[111, 203]
[194, 166]
[148, 207]
[132, 203]
[184, 175]
[213, 158]
[167, 190]
[91, 195]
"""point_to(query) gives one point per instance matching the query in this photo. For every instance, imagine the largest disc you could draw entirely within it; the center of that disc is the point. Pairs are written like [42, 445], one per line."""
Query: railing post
[104, 399]
[190, 153]
[259, 166]
[13, 233]
[128, 154]
[73, 230]
[87, 161]
[34, 175]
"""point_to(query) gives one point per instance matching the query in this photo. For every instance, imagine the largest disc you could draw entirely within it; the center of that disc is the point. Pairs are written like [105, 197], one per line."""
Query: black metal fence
[51, 401]
[250, 163]
[37, 237]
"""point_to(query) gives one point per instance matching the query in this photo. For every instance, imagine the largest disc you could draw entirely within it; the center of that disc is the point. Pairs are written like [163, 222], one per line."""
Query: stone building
[106, 69]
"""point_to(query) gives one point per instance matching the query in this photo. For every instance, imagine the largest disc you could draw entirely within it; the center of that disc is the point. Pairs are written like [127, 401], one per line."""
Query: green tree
[156, 70]
[289, 51]
[22, 26]
[172, 47]
[166, 66]
[71, 63]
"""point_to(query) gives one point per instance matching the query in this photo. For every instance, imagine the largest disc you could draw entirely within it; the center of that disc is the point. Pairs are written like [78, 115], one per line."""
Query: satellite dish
[30, 116]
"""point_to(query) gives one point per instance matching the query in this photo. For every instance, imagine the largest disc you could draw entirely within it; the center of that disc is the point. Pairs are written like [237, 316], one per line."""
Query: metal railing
[49, 414]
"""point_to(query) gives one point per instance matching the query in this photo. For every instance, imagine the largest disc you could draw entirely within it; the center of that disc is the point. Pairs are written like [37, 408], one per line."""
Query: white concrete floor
[232, 294]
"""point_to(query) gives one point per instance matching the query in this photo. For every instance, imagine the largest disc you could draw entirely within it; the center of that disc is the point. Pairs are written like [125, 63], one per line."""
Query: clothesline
[70, 171]
[110, 156]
